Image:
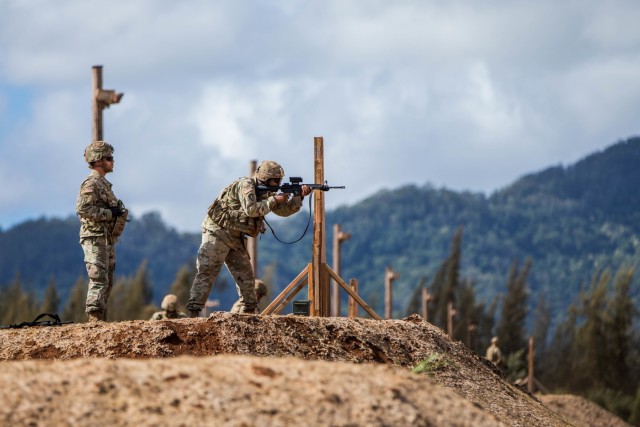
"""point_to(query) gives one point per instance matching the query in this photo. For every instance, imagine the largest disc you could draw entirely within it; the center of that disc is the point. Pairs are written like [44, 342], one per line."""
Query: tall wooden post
[96, 128]
[317, 273]
[451, 312]
[101, 99]
[353, 306]
[531, 378]
[389, 277]
[321, 301]
[252, 243]
[425, 304]
[338, 237]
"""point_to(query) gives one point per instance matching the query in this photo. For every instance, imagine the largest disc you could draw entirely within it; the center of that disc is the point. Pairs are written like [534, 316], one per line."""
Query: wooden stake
[451, 312]
[425, 304]
[96, 128]
[318, 272]
[338, 238]
[101, 99]
[530, 379]
[389, 277]
[350, 292]
[321, 302]
[353, 305]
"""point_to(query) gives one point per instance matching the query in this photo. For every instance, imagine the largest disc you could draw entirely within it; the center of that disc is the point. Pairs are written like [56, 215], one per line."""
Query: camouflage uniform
[236, 213]
[493, 352]
[261, 291]
[164, 314]
[169, 309]
[96, 224]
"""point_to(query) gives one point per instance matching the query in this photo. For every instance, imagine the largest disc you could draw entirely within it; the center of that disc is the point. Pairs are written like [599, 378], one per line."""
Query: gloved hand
[116, 211]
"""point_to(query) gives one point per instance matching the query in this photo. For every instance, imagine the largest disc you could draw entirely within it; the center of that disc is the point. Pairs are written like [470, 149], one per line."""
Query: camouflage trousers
[212, 254]
[100, 260]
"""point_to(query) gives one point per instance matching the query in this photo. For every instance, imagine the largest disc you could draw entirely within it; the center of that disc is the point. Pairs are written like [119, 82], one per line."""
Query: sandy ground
[247, 370]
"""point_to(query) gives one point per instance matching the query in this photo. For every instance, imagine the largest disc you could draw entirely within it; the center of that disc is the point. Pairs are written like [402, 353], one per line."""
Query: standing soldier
[493, 352]
[238, 212]
[102, 220]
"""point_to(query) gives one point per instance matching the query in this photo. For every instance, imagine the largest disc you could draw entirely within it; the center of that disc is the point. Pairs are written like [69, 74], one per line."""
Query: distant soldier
[102, 220]
[493, 352]
[169, 309]
[236, 213]
[261, 292]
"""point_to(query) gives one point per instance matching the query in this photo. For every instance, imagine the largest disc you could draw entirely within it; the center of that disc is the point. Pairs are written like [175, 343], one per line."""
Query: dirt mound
[581, 412]
[229, 390]
[402, 343]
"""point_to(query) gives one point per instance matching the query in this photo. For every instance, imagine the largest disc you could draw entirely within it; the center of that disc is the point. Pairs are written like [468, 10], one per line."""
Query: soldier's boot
[194, 313]
[95, 316]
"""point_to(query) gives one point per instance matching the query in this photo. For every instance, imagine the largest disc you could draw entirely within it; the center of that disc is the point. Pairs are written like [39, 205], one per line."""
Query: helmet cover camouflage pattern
[269, 169]
[260, 288]
[97, 150]
[169, 302]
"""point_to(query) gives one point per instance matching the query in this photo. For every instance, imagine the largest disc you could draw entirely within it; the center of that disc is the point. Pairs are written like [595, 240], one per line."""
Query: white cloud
[463, 94]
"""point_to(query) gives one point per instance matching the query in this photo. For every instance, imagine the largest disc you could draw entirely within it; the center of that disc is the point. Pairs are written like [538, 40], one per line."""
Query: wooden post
[389, 277]
[252, 243]
[101, 99]
[96, 128]
[530, 379]
[425, 304]
[338, 238]
[321, 302]
[451, 312]
[353, 306]
[318, 273]
[471, 333]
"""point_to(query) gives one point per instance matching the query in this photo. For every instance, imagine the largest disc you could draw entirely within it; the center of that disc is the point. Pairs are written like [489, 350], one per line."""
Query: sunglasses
[108, 158]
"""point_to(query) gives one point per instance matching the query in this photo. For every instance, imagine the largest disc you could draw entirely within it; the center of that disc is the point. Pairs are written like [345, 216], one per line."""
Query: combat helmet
[97, 150]
[260, 288]
[169, 302]
[269, 169]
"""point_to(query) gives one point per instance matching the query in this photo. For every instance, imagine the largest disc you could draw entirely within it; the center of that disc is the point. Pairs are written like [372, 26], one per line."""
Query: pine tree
[117, 306]
[444, 285]
[621, 312]
[139, 294]
[542, 323]
[591, 335]
[76, 305]
[20, 305]
[511, 326]
[51, 301]
[181, 286]
[561, 360]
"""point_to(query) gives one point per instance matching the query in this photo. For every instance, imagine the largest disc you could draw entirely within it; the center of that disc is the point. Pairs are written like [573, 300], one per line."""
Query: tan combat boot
[194, 313]
[95, 316]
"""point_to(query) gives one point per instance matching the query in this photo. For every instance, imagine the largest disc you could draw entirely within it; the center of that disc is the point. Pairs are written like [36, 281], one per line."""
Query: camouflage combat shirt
[92, 206]
[239, 208]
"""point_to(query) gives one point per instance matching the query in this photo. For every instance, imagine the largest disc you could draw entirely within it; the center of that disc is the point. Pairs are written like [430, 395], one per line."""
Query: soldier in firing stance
[236, 213]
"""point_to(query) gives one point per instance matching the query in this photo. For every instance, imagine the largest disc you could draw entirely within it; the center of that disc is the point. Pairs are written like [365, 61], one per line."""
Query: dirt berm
[247, 370]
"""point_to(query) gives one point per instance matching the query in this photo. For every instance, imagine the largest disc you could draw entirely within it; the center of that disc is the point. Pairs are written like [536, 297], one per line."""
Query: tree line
[594, 351]
[131, 298]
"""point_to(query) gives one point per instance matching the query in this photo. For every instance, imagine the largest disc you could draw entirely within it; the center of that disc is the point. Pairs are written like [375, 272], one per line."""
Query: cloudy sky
[466, 95]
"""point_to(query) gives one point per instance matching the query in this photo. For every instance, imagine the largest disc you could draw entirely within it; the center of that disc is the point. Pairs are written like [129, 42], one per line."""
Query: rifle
[56, 322]
[294, 187]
